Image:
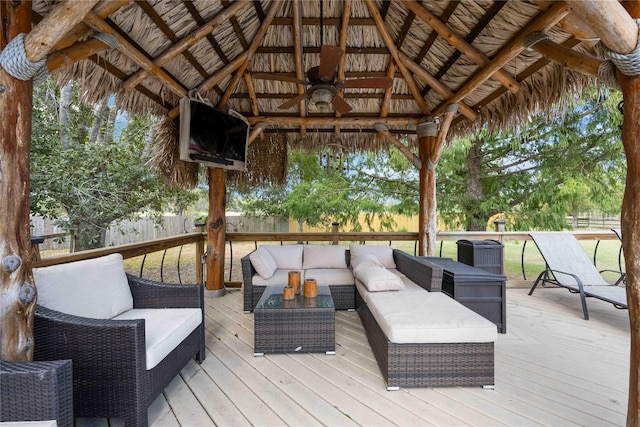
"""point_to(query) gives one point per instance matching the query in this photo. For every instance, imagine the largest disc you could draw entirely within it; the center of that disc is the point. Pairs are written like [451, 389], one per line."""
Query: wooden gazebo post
[621, 35]
[216, 233]
[17, 290]
[427, 205]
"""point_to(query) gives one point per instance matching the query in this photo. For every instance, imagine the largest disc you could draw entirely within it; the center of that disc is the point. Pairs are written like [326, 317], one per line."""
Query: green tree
[571, 162]
[86, 172]
[321, 188]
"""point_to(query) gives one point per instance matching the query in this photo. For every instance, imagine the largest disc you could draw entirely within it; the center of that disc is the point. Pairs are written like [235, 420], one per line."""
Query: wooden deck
[553, 368]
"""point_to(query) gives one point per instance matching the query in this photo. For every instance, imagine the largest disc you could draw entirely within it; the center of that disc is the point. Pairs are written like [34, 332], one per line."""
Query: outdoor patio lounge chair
[568, 266]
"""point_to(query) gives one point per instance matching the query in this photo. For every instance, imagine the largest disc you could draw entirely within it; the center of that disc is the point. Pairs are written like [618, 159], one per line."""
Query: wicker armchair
[36, 391]
[110, 378]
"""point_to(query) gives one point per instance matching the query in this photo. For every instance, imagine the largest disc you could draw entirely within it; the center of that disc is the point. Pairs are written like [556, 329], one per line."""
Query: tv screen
[212, 137]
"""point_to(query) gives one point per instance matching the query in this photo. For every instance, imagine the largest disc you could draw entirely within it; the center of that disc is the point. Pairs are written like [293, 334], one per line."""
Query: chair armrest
[151, 294]
[247, 276]
[36, 391]
[92, 344]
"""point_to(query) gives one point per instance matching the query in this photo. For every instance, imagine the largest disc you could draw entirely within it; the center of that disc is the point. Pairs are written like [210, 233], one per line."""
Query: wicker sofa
[330, 271]
[122, 358]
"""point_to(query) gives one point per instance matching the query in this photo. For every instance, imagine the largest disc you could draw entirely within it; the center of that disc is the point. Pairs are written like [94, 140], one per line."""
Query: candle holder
[294, 281]
[288, 293]
[310, 288]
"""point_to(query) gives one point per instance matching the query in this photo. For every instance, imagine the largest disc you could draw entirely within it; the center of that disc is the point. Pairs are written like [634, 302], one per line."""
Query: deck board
[552, 368]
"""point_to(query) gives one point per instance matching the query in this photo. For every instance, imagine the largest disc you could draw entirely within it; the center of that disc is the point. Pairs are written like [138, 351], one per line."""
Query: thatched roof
[495, 80]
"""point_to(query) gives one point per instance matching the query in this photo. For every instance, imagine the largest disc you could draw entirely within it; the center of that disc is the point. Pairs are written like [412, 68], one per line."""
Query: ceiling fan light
[322, 98]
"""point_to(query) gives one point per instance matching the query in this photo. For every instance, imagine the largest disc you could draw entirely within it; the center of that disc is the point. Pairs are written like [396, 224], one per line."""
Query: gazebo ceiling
[468, 52]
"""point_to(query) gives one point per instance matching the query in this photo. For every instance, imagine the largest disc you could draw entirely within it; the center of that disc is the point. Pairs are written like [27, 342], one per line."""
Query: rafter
[413, 87]
[460, 44]
[257, 39]
[344, 26]
[297, 57]
[542, 22]
[183, 44]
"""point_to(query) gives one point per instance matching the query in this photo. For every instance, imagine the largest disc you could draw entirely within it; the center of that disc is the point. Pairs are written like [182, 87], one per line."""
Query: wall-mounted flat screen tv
[212, 137]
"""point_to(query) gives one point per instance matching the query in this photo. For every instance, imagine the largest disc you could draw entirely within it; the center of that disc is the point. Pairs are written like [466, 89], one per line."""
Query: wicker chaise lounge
[120, 365]
[568, 266]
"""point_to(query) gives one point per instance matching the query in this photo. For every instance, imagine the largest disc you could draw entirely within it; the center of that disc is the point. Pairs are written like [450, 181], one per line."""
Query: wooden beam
[256, 131]
[442, 90]
[388, 93]
[252, 94]
[460, 44]
[332, 121]
[126, 48]
[572, 24]
[446, 14]
[384, 131]
[342, 37]
[443, 130]
[74, 53]
[611, 22]
[257, 39]
[186, 42]
[388, 41]
[569, 58]
[102, 9]
[42, 39]
[543, 22]
[298, 43]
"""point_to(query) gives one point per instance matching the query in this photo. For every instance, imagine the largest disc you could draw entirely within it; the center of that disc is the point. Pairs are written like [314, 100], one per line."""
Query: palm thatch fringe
[166, 157]
[266, 163]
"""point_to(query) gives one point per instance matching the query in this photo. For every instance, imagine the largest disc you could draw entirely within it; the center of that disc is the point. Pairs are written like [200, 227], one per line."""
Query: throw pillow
[383, 253]
[263, 262]
[378, 279]
[365, 260]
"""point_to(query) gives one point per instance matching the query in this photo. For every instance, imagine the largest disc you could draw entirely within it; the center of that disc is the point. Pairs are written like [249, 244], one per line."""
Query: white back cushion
[287, 257]
[365, 260]
[383, 253]
[95, 288]
[317, 256]
[263, 262]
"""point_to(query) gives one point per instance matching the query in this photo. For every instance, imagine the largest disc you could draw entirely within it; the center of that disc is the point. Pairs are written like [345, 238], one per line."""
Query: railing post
[334, 231]
[200, 253]
[499, 228]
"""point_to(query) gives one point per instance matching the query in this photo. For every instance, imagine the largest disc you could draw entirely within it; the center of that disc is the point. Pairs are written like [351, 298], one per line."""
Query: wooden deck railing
[198, 239]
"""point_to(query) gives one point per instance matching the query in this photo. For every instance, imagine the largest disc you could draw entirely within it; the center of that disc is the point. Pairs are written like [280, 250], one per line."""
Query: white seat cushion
[164, 328]
[96, 288]
[287, 257]
[330, 276]
[428, 317]
[280, 277]
[383, 253]
[317, 256]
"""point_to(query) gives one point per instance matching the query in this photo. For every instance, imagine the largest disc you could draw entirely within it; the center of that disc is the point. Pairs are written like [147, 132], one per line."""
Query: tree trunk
[64, 115]
[17, 290]
[630, 222]
[474, 195]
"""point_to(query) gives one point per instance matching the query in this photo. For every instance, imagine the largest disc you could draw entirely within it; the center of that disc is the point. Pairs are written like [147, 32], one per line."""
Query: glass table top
[272, 298]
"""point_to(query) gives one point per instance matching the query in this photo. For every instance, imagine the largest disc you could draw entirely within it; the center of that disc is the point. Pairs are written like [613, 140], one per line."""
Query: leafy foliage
[89, 183]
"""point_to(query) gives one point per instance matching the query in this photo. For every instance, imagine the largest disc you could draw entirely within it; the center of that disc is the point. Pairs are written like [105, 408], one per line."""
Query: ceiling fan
[323, 88]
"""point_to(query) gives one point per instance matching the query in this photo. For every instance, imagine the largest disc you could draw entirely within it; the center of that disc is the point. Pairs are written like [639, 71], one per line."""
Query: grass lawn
[607, 258]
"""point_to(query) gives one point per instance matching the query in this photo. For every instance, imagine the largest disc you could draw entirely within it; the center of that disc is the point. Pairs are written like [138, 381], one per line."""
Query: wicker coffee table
[305, 325]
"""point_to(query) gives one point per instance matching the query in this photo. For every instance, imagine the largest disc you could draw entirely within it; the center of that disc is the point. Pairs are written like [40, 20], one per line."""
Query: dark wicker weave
[36, 391]
[110, 378]
[303, 324]
[343, 295]
[429, 365]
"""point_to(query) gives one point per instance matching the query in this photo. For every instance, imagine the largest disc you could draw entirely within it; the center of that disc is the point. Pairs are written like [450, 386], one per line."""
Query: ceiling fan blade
[292, 102]
[341, 105]
[329, 58]
[267, 76]
[369, 83]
